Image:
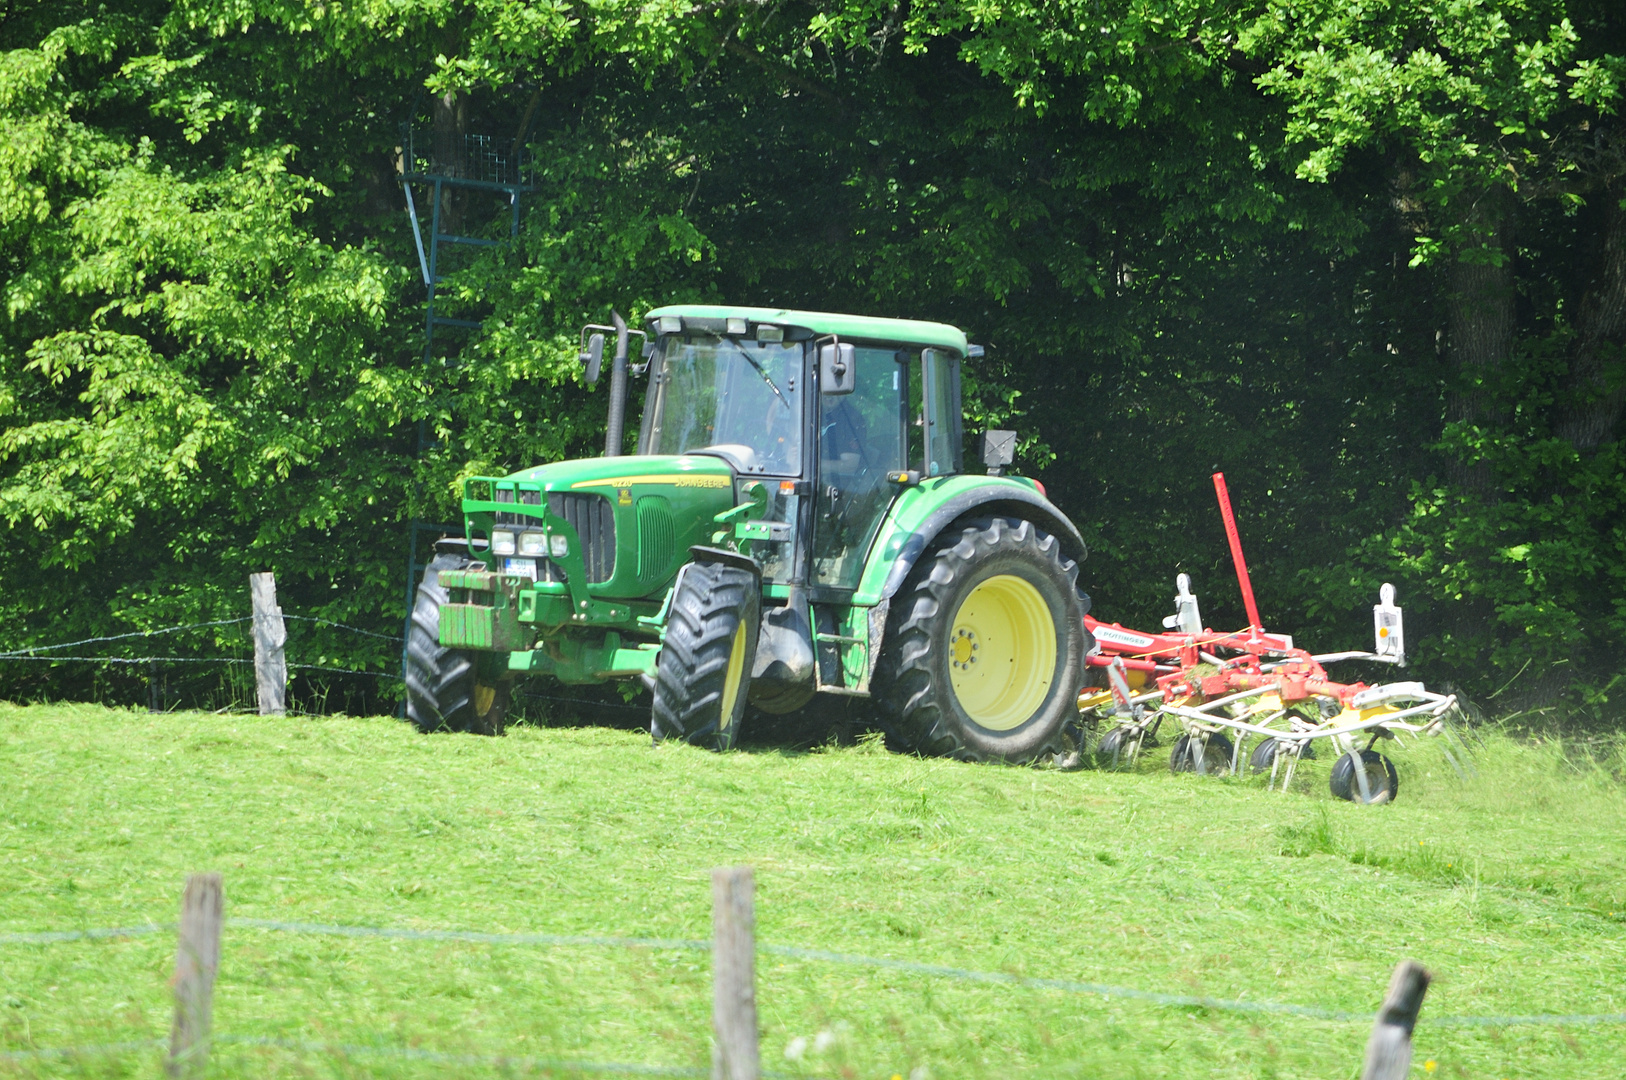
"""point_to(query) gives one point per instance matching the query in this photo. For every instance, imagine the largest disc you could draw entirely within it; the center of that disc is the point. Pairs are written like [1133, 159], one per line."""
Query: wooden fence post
[733, 965]
[197, 959]
[1388, 1051]
[270, 633]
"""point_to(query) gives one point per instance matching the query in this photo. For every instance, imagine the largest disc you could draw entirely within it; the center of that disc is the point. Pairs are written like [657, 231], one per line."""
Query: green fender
[922, 511]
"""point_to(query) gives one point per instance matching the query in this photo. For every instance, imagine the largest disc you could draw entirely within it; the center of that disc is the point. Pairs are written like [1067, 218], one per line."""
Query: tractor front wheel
[985, 654]
[704, 667]
[445, 691]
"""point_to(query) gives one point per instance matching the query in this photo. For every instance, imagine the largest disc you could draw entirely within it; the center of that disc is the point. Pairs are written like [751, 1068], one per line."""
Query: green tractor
[796, 522]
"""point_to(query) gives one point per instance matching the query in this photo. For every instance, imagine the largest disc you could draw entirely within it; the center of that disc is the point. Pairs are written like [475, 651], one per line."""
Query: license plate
[526, 567]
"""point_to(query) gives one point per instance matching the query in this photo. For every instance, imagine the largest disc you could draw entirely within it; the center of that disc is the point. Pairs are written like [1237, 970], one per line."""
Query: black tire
[1264, 755]
[1013, 709]
[700, 685]
[1383, 783]
[444, 691]
[1216, 760]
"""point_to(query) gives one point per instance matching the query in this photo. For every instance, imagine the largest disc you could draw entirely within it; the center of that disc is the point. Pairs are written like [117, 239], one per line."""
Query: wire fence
[1105, 991]
[53, 654]
[56, 653]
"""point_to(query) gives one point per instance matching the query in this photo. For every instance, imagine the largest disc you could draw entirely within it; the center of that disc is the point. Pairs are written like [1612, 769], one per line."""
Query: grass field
[1510, 886]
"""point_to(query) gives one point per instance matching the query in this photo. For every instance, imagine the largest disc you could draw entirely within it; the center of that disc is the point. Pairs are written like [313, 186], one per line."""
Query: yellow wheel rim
[1002, 652]
[733, 677]
[483, 697]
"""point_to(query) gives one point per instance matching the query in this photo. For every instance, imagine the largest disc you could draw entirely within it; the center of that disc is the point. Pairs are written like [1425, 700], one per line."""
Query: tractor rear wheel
[445, 691]
[985, 653]
[704, 668]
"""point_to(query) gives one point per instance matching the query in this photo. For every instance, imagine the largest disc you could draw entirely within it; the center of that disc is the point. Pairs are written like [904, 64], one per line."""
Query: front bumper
[496, 612]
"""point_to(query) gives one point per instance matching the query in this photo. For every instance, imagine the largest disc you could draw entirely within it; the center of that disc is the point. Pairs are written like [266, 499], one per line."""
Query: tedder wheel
[1382, 782]
[1216, 755]
[1110, 750]
[1264, 755]
[985, 653]
[445, 691]
[704, 668]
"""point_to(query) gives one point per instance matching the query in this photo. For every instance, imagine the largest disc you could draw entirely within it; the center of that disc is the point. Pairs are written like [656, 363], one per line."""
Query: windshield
[740, 397]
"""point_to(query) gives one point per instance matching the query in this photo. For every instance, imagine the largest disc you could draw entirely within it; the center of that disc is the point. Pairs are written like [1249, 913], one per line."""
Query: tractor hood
[695, 471]
[623, 525]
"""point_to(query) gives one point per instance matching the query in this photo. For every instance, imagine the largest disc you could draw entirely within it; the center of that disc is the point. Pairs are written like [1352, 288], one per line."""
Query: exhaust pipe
[618, 389]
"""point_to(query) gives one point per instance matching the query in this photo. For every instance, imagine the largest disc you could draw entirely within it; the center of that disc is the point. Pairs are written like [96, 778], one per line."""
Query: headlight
[558, 546]
[533, 543]
[502, 542]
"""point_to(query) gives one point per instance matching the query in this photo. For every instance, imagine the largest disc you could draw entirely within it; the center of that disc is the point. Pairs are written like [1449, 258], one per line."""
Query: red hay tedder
[1221, 687]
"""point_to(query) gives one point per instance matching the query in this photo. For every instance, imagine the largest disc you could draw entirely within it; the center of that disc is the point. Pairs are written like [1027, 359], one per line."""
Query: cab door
[861, 437]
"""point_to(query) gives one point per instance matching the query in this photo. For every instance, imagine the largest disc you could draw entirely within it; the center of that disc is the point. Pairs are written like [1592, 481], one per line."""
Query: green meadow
[1509, 885]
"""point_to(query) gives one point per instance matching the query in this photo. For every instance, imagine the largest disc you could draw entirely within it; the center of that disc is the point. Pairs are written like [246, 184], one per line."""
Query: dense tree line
[1369, 258]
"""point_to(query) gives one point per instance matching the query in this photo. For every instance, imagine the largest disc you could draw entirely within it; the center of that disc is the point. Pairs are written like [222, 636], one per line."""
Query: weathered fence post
[197, 959]
[270, 665]
[1388, 1051]
[733, 966]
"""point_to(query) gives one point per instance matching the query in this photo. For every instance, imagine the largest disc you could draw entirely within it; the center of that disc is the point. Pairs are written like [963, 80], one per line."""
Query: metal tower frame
[480, 166]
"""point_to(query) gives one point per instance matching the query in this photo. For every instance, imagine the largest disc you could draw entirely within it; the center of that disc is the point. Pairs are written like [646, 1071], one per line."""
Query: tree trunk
[1480, 331]
[451, 123]
[1591, 408]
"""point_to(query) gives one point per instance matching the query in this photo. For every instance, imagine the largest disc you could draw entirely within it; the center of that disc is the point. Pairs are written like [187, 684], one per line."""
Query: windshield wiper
[763, 372]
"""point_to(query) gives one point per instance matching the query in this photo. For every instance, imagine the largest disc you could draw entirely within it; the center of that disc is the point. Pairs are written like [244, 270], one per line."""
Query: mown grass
[1510, 886]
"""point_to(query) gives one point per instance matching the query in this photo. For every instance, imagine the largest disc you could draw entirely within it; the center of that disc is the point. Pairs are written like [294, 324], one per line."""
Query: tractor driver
[843, 442]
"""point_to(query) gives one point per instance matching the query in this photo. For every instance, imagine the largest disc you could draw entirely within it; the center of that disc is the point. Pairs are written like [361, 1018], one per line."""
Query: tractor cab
[834, 428]
[796, 520]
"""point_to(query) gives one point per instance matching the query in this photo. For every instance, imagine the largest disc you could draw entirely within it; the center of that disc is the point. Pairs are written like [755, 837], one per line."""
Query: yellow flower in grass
[1430, 1065]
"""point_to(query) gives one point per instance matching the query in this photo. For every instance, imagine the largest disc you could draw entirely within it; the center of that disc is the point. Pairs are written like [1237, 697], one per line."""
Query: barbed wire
[203, 660]
[1103, 990]
[13, 654]
[93, 1050]
[49, 653]
[344, 671]
[476, 936]
[140, 659]
[342, 626]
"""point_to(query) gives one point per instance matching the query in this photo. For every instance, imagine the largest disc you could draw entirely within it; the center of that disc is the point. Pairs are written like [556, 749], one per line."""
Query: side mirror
[998, 450]
[593, 357]
[838, 369]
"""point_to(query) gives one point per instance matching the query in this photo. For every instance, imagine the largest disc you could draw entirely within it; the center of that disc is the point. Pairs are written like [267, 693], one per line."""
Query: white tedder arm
[1186, 618]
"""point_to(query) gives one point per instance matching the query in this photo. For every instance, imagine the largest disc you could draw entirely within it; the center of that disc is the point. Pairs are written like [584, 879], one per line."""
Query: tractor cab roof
[711, 318]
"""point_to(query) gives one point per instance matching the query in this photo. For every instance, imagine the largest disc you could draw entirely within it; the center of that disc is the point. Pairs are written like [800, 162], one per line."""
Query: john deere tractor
[796, 521]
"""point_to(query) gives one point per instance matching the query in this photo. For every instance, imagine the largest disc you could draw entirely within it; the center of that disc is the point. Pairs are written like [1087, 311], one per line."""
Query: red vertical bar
[1236, 551]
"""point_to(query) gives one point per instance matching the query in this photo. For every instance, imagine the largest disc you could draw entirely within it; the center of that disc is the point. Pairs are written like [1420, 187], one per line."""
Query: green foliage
[1192, 239]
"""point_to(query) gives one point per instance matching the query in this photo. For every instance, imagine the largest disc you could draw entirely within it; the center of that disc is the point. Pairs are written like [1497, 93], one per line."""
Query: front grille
[506, 495]
[657, 538]
[590, 515]
[594, 521]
